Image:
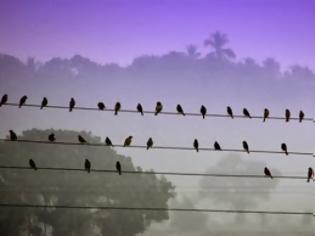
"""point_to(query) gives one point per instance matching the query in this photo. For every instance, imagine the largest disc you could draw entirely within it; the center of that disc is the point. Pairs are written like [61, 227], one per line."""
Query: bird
[32, 164]
[217, 146]
[287, 115]
[101, 106]
[268, 173]
[117, 108]
[149, 143]
[310, 174]
[118, 167]
[13, 136]
[203, 111]
[51, 137]
[108, 142]
[158, 108]
[284, 148]
[140, 109]
[301, 116]
[4, 99]
[44, 103]
[71, 104]
[196, 145]
[22, 101]
[246, 113]
[87, 165]
[266, 114]
[81, 139]
[245, 146]
[180, 110]
[128, 141]
[230, 112]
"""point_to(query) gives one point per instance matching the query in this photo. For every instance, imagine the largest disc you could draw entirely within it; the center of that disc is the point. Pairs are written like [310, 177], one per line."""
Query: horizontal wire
[215, 115]
[154, 147]
[155, 209]
[153, 172]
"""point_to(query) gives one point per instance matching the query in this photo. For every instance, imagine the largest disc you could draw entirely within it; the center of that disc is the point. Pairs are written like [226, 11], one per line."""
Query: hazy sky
[118, 31]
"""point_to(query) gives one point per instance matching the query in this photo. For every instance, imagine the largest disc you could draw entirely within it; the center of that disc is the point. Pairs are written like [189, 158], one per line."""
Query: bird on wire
[149, 143]
[158, 108]
[44, 103]
[268, 173]
[71, 104]
[245, 146]
[196, 145]
[108, 142]
[4, 99]
[22, 101]
[51, 137]
[217, 146]
[139, 108]
[118, 167]
[180, 110]
[81, 139]
[287, 115]
[310, 174]
[87, 165]
[203, 111]
[301, 116]
[284, 148]
[128, 141]
[32, 164]
[117, 108]
[101, 106]
[246, 113]
[230, 111]
[266, 114]
[13, 136]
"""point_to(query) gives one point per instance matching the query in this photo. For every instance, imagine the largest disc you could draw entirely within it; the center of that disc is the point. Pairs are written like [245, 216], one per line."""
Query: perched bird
[268, 173]
[287, 115]
[284, 148]
[101, 106]
[4, 99]
[230, 112]
[108, 142]
[118, 167]
[44, 103]
[81, 139]
[22, 101]
[158, 108]
[310, 174]
[117, 108]
[266, 114]
[128, 141]
[245, 146]
[217, 146]
[203, 111]
[32, 164]
[13, 136]
[301, 116]
[180, 110]
[149, 143]
[87, 165]
[140, 109]
[51, 137]
[246, 113]
[71, 104]
[196, 145]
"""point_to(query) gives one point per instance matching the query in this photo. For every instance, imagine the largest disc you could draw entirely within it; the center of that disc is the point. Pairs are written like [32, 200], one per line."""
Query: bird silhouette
[180, 110]
[203, 111]
[158, 108]
[301, 116]
[310, 174]
[32, 164]
[196, 145]
[22, 101]
[287, 115]
[4, 99]
[217, 146]
[13, 136]
[44, 103]
[87, 165]
[51, 137]
[246, 113]
[108, 142]
[81, 139]
[149, 143]
[284, 148]
[230, 112]
[118, 167]
[268, 173]
[266, 114]
[140, 109]
[128, 141]
[117, 108]
[245, 146]
[101, 106]
[71, 104]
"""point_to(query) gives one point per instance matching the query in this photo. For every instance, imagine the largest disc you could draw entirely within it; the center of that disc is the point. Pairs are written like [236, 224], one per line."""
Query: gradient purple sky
[118, 31]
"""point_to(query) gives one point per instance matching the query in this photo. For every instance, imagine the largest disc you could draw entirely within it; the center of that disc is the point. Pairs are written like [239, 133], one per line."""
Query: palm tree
[218, 40]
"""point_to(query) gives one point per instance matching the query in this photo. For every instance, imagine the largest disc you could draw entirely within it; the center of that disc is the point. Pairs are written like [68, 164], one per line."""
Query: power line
[205, 210]
[213, 115]
[153, 172]
[154, 147]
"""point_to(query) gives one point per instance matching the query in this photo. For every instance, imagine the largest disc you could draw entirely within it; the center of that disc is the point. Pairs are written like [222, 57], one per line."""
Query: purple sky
[118, 31]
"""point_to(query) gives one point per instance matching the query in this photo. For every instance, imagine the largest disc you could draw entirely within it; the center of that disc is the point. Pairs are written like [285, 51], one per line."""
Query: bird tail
[308, 180]
[116, 113]
[142, 113]
[264, 120]
[119, 172]
[203, 116]
[286, 153]
[70, 109]
[41, 107]
[271, 176]
[156, 113]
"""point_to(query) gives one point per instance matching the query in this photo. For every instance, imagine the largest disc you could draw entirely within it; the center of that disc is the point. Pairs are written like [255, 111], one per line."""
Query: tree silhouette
[192, 51]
